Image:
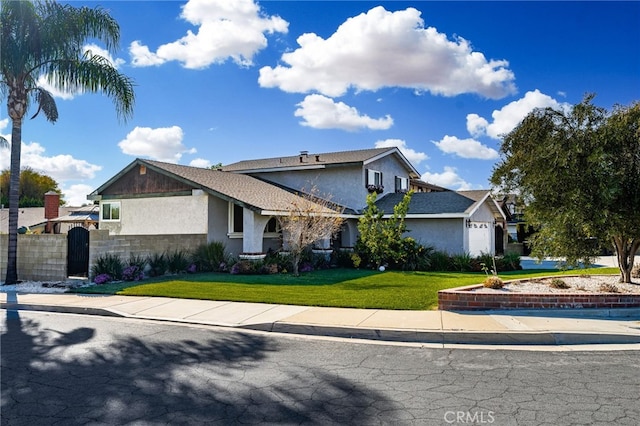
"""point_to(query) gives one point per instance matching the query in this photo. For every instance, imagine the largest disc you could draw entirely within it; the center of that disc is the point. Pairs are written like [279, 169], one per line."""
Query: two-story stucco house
[238, 204]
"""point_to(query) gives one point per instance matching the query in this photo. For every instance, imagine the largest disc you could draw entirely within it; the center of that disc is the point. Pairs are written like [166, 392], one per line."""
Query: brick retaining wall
[463, 299]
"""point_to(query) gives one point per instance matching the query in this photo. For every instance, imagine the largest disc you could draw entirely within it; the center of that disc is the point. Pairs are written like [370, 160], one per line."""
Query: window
[237, 219]
[374, 177]
[402, 184]
[272, 227]
[111, 212]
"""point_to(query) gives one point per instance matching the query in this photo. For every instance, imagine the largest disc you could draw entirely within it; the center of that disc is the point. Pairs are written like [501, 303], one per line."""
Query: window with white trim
[110, 212]
[402, 184]
[236, 215]
[374, 177]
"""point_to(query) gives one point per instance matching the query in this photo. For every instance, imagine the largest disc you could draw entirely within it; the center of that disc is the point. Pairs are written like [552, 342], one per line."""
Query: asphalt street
[65, 369]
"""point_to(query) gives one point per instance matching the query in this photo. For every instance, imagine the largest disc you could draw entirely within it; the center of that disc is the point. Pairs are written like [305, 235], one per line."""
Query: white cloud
[413, 156]
[59, 167]
[163, 144]
[200, 162]
[507, 118]
[321, 112]
[76, 195]
[448, 179]
[388, 49]
[466, 148]
[226, 29]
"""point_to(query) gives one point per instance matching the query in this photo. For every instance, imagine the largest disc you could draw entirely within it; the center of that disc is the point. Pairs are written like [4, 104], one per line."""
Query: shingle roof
[250, 191]
[309, 160]
[447, 202]
[28, 216]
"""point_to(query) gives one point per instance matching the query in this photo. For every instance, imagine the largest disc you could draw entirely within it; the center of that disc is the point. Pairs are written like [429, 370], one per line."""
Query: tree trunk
[16, 106]
[295, 259]
[14, 200]
[626, 251]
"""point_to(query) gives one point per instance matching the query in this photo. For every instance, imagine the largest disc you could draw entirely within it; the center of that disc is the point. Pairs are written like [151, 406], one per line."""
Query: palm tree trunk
[14, 200]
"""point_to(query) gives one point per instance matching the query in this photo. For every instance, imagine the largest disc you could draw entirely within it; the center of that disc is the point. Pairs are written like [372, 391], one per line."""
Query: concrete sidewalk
[535, 327]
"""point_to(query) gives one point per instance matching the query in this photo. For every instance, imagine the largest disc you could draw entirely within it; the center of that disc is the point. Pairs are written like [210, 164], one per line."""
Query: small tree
[309, 220]
[33, 186]
[381, 240]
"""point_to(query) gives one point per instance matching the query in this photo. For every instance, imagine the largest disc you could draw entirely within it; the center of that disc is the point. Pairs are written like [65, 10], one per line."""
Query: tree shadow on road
[77, 377]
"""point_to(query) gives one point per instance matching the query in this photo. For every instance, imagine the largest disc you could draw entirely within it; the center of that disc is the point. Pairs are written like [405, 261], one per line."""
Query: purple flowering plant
[102, 278]
[132, 273]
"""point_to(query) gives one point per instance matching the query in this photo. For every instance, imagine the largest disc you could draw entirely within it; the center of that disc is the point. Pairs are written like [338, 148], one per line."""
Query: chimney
[304, 156]
[51, 209]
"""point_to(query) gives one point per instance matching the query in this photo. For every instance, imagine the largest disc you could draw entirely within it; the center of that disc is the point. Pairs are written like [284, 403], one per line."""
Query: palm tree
[46, 39]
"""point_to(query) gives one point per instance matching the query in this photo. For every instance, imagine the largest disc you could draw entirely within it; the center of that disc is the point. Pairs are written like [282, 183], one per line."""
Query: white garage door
[480, 238]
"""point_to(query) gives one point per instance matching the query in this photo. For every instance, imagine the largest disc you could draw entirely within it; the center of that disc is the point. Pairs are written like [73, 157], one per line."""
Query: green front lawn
[346, 288]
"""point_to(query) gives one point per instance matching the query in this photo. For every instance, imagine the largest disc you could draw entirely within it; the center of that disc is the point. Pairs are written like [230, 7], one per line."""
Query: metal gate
[499, 240]
[78, 252]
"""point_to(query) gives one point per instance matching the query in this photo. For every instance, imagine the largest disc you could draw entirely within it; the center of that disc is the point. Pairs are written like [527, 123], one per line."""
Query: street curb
[59, 309]
[533, 338]
[526, 338]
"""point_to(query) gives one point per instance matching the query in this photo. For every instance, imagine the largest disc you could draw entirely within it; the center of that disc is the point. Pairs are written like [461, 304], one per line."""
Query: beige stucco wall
[161, 215]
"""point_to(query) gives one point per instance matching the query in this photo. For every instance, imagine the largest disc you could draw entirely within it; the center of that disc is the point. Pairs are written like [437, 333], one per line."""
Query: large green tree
[578, 171]
[33, 186]
[46, 39]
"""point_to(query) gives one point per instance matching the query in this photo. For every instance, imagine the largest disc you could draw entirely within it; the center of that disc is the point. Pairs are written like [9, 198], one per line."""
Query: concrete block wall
[41, 257]
[100, 243]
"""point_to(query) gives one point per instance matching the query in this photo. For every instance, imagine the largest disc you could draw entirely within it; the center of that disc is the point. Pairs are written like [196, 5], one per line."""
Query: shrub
[559, 284]
[461, 262]
[245, 267]
[608, 288]
[177, 261]
[109, 264]
[137, 260]
[268, 269]
[440, 261]
[635, 272]
[102, 279]
[356, 259]
[157, 264]
[210, 257]
[342, 258]
[132, 273]
[412, 256]
[493, 281]
[485, 260]
[511, 262]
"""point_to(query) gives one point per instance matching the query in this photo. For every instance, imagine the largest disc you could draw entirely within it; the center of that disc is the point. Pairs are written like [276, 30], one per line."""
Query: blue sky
[223, 81]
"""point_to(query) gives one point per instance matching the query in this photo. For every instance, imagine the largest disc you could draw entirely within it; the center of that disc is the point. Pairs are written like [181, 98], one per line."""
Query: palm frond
[46, 104]
[96, 74]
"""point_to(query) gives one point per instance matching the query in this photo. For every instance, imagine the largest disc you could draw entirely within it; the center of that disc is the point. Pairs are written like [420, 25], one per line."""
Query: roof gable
[241, 189]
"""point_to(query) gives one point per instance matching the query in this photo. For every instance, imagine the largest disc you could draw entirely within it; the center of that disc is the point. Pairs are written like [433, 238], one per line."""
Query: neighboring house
[52, 218]
[238, 204]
